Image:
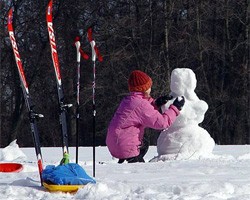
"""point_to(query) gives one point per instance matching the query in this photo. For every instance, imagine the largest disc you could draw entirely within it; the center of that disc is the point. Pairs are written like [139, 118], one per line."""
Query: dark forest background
[211, 37]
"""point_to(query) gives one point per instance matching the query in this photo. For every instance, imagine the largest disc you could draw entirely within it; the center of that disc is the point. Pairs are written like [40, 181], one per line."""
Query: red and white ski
[32, 115]
[62, 106]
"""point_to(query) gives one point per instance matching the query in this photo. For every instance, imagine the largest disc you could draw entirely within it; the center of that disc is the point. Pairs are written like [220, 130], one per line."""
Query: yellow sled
[62, 188]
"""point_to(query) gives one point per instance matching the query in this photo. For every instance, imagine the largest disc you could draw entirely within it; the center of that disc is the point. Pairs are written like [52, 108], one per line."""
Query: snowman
[185, 139]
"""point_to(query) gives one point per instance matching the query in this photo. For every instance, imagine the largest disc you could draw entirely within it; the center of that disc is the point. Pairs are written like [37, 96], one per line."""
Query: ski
[62, 106]
[33, 116]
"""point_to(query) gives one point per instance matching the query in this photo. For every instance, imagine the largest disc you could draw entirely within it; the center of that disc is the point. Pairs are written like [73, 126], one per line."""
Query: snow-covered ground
[224, 175]
[185, 165]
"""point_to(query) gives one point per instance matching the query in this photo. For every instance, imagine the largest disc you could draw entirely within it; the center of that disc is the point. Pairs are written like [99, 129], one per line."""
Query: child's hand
[179, 102]
[162, 100]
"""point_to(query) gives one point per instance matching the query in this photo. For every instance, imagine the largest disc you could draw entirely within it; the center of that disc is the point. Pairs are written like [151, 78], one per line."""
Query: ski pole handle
[92, 43]
[79, 50]
[95, 51]
[78, 55]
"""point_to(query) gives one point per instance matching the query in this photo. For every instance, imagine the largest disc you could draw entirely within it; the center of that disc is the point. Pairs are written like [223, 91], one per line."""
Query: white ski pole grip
[78, 54]
[92, 43]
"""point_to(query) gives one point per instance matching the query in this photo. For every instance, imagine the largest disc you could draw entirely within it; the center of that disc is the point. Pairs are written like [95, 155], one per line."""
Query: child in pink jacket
[136, 112]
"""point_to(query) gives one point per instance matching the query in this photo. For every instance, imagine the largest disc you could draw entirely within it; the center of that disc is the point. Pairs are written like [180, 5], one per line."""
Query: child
[136, 112]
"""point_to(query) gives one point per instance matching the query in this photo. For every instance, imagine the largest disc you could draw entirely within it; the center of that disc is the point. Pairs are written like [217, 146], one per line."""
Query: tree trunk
[168, 12]
[246, 64]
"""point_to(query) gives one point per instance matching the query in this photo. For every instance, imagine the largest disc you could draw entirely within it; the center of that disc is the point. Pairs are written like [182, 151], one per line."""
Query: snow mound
[12, 153]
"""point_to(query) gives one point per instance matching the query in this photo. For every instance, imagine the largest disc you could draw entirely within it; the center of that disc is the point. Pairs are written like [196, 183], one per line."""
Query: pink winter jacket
[126, 129]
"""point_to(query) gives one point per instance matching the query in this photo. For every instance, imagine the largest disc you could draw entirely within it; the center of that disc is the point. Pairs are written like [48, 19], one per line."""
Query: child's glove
[65, 159]
[179, 102]
[162, 100]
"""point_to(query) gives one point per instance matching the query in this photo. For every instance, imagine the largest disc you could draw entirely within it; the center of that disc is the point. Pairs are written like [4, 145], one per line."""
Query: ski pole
[78, 58]
[79, 52]
[95, 53]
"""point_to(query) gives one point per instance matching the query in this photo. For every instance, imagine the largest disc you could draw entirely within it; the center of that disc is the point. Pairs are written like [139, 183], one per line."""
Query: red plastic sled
[10, 167]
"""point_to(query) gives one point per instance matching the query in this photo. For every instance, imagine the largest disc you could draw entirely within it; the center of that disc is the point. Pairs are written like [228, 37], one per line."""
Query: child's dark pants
[143, 150]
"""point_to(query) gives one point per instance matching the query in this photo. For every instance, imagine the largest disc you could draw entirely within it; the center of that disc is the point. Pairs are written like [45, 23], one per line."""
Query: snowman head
[183, 83]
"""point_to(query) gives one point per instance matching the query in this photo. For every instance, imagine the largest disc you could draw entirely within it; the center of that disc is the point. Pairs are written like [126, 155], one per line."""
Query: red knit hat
[139, 81]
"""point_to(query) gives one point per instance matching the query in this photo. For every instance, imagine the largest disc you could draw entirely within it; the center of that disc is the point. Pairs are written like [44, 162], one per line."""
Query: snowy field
[224, 175]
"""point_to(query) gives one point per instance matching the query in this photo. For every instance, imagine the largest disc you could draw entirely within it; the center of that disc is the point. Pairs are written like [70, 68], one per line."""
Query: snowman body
[185, 139]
